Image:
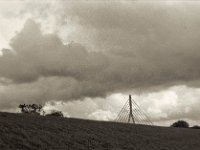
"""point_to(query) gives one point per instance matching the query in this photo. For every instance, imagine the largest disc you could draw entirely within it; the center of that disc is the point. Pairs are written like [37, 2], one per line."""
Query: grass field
[29, 132]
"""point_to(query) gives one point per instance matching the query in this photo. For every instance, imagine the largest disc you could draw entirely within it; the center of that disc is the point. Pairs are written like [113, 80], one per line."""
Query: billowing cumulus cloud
[163, 107]
[96, 49]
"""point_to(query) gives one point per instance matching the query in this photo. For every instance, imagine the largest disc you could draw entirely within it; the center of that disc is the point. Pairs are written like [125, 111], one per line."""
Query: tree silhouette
[31, 108]
[196, 127]
[180, 124]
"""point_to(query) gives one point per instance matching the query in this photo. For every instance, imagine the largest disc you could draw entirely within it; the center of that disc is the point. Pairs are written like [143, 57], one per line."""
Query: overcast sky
[85, 57]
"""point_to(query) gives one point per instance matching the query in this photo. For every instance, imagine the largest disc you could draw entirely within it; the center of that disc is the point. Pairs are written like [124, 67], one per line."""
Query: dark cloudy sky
[84, 57]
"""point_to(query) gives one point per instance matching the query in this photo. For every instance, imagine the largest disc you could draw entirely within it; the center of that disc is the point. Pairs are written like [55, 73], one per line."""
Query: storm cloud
[96, 49]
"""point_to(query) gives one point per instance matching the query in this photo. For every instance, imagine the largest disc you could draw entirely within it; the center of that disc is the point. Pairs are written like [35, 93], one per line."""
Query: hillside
[18, 131]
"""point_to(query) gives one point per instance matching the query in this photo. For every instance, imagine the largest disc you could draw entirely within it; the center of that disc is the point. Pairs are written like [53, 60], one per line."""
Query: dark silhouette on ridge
[31, 108]
[180, 124]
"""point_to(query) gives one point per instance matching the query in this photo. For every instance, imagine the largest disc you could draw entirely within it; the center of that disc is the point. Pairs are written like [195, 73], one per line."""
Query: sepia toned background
[85, 57]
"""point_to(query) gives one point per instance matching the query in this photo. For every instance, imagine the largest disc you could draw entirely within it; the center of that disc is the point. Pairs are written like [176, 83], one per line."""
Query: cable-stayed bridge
[132, 113]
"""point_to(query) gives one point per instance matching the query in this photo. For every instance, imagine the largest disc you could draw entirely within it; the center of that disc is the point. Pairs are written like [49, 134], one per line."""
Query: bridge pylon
[132, 113]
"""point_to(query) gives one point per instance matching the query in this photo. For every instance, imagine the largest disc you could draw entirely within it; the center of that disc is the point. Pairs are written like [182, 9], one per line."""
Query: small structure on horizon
[132, 113]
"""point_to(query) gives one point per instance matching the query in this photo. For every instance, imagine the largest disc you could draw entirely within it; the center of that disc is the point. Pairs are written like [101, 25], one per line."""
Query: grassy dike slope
[30, 132]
